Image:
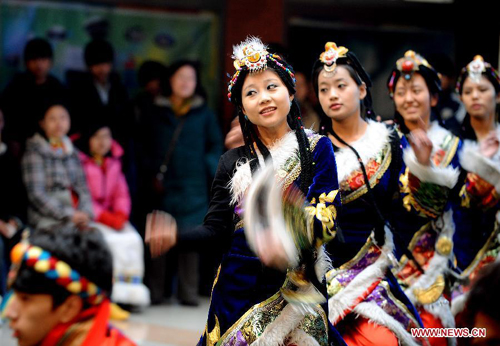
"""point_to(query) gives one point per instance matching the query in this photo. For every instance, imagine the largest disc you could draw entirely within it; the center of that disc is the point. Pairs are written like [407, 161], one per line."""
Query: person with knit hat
[62, 282]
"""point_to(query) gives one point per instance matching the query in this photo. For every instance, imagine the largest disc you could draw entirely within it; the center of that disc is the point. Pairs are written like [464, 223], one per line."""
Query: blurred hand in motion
[234, 137]
[271, 251]
[161, 232]
[490, 145]
[421, 144]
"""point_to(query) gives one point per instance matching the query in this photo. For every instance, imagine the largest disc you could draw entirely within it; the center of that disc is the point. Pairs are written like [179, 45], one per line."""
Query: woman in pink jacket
[101, 160]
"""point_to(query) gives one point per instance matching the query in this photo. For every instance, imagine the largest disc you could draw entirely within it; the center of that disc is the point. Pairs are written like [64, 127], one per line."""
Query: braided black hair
[250, 134]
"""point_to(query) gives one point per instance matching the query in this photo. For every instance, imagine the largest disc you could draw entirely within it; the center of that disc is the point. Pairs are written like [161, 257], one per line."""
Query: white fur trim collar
[375, 138]
[437, 134]
[281, 151]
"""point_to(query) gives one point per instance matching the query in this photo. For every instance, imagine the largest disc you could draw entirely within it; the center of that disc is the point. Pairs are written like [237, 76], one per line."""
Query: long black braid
[250, 134]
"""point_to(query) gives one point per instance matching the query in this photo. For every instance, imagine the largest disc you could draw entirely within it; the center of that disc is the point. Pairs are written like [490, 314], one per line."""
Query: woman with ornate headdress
[477, 211]
[252, 302]
[366, 303]
[427, 184]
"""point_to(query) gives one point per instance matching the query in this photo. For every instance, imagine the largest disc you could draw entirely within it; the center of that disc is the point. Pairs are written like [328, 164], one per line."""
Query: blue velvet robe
[243, 284]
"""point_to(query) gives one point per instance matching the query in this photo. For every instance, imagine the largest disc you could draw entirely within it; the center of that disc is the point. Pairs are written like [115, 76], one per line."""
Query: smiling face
[479, 98]
[339, 94]
[266, 100]
[413, 100]
[32, 317]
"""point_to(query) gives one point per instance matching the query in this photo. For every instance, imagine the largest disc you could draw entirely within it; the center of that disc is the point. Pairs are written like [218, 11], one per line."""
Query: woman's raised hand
[421, 144]
[490, 145]
[161, 232]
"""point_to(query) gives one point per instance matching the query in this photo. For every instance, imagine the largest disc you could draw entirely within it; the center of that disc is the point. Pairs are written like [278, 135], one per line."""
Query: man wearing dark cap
[27, 95]
[99, 93]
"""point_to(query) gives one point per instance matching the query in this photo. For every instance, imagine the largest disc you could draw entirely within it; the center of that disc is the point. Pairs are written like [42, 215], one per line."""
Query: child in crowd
[54, 178]
[100, 156]
[62, 281]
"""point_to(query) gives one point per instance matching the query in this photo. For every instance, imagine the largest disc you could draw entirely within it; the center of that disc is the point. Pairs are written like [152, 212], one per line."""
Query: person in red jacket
[62, 280]
[101, 160]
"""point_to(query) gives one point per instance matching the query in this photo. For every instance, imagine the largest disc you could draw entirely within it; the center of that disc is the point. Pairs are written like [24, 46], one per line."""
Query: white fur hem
[375, 314]
[344, 300]
[472, 161]
[444, 176]
[458, 304]
[299, 337]
[323, 264]
[130, 293]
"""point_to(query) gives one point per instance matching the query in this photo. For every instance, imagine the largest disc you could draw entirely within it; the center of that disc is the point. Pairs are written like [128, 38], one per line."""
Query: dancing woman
[426, 186]
[476, 213]
[366, 303]
[251, 302]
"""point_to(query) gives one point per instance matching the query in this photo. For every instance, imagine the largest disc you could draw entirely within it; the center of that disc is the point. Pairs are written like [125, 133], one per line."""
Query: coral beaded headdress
[411, 62]
[44, 263]
[252, 55]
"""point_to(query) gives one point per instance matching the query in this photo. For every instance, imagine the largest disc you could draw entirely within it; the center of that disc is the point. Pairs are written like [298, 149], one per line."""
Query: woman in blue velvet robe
[476, 210]
[425, 215]
[252, 303]
[361, 286]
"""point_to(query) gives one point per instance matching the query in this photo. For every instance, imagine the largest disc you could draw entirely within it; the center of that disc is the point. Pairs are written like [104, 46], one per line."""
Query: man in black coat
[29, 93]
[99, 93]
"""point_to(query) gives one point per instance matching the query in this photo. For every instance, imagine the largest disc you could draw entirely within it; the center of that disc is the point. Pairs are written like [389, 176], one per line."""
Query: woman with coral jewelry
[252, 303]
[362, 288]
[426, 186]
[477, 211]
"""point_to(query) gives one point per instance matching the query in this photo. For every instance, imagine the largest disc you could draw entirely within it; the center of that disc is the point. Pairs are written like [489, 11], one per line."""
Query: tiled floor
[164, 325]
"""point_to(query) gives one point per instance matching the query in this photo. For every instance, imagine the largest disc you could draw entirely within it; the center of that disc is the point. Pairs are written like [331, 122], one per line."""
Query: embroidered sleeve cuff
[447, 176]
[472, 161]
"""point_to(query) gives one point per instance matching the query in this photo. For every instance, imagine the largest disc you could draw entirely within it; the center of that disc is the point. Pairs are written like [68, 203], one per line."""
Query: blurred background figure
[449, 107]
[99, 93]
[310, 117]
[28, 93]
[100, 156]
[13, 204]
[182, 146]
[53, 175]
